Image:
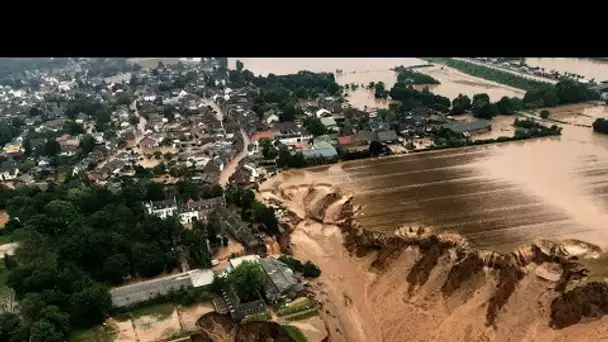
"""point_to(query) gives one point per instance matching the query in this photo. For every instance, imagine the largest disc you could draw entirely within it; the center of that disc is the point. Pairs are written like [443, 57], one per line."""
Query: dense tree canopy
[75, 239]
[247, 280]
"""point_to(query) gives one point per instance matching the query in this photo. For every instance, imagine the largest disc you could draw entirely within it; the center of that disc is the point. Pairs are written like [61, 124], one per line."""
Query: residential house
[9, 170]
[321, 113]
[288, 133]
[330, 124]
[148, 142]
[237, 228]
[13, 148]
[349, 142]
[262, 135]
[206, 206]
[162, 209]
[82, 165]
[68, 150]
[386, 136]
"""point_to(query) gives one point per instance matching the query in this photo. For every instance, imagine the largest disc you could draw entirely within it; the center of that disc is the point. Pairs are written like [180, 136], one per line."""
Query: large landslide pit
[219, 328]
[417, 285]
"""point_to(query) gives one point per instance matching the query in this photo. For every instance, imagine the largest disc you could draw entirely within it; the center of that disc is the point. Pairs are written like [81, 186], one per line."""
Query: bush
[544, 114]
[303, 315]
[258, 317]
[310, 270]
[302, 306]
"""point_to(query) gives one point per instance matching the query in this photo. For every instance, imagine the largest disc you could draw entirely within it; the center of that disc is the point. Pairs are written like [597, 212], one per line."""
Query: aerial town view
[215, 199]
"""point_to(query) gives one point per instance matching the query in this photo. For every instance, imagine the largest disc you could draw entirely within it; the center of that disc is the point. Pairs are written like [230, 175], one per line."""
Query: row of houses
[187, 212]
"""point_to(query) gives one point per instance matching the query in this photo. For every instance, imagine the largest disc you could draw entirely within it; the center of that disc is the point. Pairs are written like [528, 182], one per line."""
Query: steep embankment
[418, 286]
[219, 328]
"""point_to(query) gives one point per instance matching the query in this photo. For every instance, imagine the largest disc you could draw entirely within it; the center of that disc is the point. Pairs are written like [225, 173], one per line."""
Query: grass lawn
[258, 317]
[3, 274]
[159, 311]
[4, 239]
[303, 315]
[96, 334]
[295, 333]
[302, 306]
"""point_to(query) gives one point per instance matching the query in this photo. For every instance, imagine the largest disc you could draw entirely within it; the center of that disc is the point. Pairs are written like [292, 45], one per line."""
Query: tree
[158, 154]
[17, 122]
[239, 65]
[505, 105]
[115, 268]
[168, 112]
[91, 305]
[61, 210]
[149, 260]
[314, 126]
[310, 270]
[9, 326]
[380, 91]
[288, 113]
[51, 148]
[168, 156]
[133, 120]
[45, 331]
[544, 114]
[60, 320]
[600, 125]
[461, 104]
[73, 128]
[294, 264]
[124, 99]
[247, 280]
[87, 144]
[482, 97]
[484, 110]
[34, 111]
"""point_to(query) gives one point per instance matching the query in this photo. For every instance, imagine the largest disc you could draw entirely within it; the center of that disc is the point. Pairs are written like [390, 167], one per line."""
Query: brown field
[577, 114]
[157, 327]
[189, 316]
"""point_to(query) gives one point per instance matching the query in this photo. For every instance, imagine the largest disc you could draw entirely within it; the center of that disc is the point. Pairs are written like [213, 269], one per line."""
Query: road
[517, 73]
[232, 165]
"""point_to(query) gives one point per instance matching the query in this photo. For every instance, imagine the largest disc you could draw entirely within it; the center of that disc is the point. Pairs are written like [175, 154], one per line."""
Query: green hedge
[295, 333]
[258, 317]
[303, 315]
[302, 306]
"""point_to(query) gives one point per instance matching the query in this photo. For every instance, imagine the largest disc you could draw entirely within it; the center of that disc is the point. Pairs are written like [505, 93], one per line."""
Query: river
[588, 68]
[365, 70]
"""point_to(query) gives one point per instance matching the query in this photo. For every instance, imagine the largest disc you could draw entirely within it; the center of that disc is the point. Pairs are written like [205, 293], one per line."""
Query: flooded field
[588, 68]
[365, 70]
[499, 196]
[578, 114]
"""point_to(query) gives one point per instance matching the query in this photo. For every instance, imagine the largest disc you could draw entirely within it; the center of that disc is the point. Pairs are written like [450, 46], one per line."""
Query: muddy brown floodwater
[498, 196]
[588, 68]
[365, 70]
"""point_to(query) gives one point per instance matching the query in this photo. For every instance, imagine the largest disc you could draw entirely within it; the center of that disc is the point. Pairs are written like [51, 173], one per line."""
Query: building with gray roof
[239, 229]
[280, 279]
[477, 126]
[128, 295]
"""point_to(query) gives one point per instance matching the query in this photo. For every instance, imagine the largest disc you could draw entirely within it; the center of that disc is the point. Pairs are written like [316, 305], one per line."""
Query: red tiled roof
[347, 140]
[262, 135]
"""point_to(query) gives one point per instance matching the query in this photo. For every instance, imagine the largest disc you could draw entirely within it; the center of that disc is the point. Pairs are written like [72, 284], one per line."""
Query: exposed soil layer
[220, 328]
[415, 285]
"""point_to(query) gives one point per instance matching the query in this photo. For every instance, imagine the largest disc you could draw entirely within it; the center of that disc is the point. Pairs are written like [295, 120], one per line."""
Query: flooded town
[304, 199]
